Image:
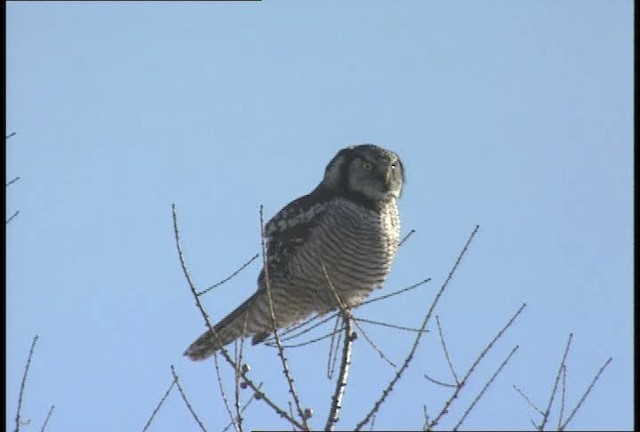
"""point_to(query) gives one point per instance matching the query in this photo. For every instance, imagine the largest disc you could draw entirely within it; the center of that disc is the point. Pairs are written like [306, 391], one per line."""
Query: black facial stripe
[344, 169]
[343, 187]
[399, 165]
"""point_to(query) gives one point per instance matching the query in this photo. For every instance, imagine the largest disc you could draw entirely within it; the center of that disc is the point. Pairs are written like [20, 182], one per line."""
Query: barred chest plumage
[352, 247]
[344, 234]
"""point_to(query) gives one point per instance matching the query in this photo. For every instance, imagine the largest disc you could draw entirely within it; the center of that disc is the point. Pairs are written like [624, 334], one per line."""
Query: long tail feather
[238, 323]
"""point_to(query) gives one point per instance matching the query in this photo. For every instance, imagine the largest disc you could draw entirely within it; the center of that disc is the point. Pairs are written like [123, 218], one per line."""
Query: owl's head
[365, 172]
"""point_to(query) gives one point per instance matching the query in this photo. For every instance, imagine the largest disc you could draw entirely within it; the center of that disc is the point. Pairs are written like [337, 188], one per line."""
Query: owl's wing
[291, 227]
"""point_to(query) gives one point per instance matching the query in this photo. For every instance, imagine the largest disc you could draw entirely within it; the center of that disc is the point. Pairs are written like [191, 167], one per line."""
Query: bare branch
[563, 399]
[310, 341]
[486, 386]
[231, 276]
[547, 412]
[531, 404]
[186, 272]
[225, 354]
[335, 314]
[389, 325]
[484, 352]
[426, 418]
[586, 393]
[346, 311]
[306, 323]
[341, 383]
[406, 237]
[186, 401]
[155, 411]
[440, 383]
[223, 393]
[413, 349]
[46, 420]
[237, 374]
[244, 407]
[373, 345]
[24, 381]
[332, 358]
[12, 181]
[373, 422]
[446, 351]
[395, 293]
[335, 331]
[16, 213]
[283, 359]
[349, 337]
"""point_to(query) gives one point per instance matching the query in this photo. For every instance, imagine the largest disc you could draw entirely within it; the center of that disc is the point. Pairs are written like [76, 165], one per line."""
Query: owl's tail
[250, 318]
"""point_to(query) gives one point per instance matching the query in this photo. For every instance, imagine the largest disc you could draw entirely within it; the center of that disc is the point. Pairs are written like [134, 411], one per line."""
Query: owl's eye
[366, 166]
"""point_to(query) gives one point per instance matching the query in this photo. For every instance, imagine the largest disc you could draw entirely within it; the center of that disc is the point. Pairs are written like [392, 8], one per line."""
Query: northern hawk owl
[344, 234]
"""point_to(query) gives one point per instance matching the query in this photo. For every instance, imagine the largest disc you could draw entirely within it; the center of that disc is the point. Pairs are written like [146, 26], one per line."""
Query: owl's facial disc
[366, 171]
[379, 179]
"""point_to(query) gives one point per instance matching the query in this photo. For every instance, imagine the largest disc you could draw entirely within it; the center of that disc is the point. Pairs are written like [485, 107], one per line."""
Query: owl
[339, 240]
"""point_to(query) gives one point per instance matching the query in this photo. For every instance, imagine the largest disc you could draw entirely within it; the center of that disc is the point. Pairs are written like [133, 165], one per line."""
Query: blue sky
[516, 116]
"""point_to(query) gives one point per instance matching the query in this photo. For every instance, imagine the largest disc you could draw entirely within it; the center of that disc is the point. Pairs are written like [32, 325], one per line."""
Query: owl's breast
[351, 249]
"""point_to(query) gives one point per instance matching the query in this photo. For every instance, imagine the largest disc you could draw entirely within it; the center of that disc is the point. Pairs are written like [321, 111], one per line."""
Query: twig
[406, 237]
[346, 311]
[12, 181]
[426, 418]
[283, 359]
[335, 331]
[244, 407]
[231, 276]
[445, 408]
[547, 412]
[389, 325]
[295, 328]
[155, 411]
[395, 293]
[341, 383]
[531, 404]
[223, 393]
[333, 315]
[446, 351]
[486, 386]
[241, 367]
[202, 311]
[349, 337]
[413, 349]
[24, 381]
[563, 399]
[535, 426]
[586, 393]
[16, 213]
[435, 381]
[186, 272]
[225, 354]
[332, 358]
[308, 342]
[373, 345]
[186, 401]
[46, 420]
